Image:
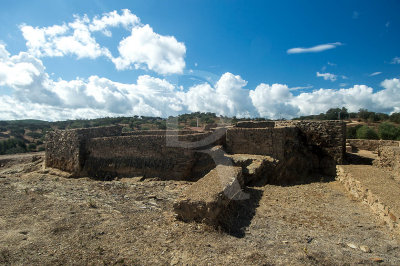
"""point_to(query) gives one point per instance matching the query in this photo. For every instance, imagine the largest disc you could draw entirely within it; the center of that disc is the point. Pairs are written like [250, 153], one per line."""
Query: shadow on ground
[239, 213]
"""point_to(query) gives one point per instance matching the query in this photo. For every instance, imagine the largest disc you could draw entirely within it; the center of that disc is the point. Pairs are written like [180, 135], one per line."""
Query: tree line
[362, 115]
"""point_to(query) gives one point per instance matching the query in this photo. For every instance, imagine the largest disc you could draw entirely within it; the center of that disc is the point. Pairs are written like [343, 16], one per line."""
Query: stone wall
[65, 149]
[326, 136]
[157, 132]
[303, 147]
[261, 141]
[370, 144]
[389, 158]
[255, 124]
[161, 156]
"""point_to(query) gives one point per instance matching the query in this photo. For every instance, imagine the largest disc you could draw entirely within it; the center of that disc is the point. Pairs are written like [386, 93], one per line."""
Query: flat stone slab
[374, 187]
[208, 197]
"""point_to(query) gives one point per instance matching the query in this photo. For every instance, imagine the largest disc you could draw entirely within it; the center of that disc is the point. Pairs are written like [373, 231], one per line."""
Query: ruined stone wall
[327, 136]
[158, 132]
[149, 156]
[261, 141]
[303, 147]
[389, 158]
[370, 144]
[65, 149]
[255, 124]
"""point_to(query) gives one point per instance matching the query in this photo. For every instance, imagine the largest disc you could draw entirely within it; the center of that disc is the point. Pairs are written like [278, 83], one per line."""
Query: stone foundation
[370, 144]
[380, 194]
[301, 147]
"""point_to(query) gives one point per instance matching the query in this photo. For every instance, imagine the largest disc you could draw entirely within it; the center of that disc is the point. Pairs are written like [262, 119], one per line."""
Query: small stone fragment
[376, 259]
[366, 249]
[352, 246]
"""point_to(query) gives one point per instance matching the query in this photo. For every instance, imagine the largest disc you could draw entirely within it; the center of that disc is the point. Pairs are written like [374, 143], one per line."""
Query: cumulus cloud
[314, 49]
[60, 40]
[36, 95]
[143, 48]
[113, 19]
[227, 97]
[327, 76]
[273, 101]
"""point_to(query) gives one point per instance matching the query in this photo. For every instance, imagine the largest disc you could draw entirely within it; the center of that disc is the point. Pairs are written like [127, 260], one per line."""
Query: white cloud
[37, 95]
[356, 14]
[113, 19]
[395, 60]
[314, 49]
[273, 101]
[60, 40]
[301, 88]
[228, 97]
[327, 76]
[144, 47]
[375, 74]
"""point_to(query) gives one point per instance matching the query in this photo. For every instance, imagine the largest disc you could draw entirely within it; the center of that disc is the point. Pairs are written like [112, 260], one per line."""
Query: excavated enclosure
[220, 162]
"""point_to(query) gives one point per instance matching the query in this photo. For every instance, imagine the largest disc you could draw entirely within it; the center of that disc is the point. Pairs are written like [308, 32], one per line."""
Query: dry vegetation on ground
[47, 218]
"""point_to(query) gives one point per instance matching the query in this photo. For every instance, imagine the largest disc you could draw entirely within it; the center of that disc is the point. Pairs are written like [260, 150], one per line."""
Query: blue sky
[246, 58]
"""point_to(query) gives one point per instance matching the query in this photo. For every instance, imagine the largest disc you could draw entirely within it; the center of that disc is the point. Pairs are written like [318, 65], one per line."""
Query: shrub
[352, 132]
[388, 131]
[366, 132]
[32, 147]
[126, 129]
[193, 123]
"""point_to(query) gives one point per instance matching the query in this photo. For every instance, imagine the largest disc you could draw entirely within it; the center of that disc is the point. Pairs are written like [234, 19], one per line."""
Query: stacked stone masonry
[389, 158]
[371, 145]
[301, 147]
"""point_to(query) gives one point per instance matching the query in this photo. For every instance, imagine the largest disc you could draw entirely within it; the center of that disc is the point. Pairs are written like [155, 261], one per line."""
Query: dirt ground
[47, 218]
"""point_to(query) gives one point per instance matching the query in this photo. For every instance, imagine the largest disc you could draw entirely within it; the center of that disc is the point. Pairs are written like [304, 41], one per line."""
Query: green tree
[395, 117]
[388, 131]
[31, 147]
[366, 132]
[351, 132]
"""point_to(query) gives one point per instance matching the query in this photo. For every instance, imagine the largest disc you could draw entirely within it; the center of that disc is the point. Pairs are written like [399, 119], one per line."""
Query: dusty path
[46, 218]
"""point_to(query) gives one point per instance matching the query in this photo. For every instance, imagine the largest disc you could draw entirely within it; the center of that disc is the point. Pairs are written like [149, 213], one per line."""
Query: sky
[72, 59]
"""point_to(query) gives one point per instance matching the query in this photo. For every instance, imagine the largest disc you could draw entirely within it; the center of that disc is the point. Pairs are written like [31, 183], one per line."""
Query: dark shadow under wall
[238, 215]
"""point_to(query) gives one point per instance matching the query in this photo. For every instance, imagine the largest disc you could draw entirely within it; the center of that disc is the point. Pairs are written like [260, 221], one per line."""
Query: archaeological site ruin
[223, 162]
[277, 192]
[220, 162]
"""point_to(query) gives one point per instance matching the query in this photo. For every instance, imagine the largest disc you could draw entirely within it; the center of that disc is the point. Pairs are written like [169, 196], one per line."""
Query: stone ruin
[220, 162]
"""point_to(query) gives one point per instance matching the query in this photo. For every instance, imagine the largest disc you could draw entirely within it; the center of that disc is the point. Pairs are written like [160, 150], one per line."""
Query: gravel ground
[47, 218]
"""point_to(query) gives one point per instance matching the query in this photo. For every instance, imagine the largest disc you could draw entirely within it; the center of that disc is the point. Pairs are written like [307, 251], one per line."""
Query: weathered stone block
[255, 167]
[206, 199]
